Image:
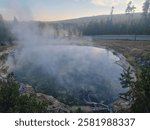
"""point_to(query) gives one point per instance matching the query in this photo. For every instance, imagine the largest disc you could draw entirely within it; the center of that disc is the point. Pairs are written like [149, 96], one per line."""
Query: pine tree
[127, 81]
[126, 78]
[12, 101]
[142, 103]
[146, 9]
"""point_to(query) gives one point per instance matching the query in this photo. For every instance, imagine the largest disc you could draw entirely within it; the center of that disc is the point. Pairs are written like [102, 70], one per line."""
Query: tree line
[132, 26]
[5, 33]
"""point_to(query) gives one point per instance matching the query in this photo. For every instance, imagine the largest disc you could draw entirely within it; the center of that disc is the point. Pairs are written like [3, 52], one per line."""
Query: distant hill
[99, 18]
[120, 24]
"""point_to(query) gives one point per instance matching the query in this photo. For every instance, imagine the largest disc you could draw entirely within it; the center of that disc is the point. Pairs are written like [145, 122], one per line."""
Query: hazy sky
[51, 10]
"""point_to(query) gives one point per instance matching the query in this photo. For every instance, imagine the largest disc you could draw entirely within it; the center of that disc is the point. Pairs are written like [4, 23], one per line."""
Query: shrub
[12, 101]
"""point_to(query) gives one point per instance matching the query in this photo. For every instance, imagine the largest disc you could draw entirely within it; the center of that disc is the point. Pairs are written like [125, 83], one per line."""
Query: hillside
[99, 18]
[118, 24]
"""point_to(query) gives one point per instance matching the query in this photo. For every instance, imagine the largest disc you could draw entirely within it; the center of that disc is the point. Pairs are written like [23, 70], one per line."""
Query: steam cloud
[47, 58]
[54, 64]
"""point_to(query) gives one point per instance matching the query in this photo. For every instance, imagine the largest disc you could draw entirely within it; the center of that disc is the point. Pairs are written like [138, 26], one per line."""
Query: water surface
[73, 74]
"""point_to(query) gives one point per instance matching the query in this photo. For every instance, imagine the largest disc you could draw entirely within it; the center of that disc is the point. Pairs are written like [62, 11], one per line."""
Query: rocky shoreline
[3, 66]
[54, 106]
[121, 104]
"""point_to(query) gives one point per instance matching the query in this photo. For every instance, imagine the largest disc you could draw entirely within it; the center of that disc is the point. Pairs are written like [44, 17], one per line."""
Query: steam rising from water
[52, 64]
[80, 71]
[47, 58]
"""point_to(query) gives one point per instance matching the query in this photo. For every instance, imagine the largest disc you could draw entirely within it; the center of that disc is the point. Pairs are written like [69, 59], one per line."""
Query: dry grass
[130, 49]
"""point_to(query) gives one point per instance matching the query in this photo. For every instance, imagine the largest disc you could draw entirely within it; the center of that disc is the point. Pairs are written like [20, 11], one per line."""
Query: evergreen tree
[126, 78]
[142, 103]
[130, 8]
[111, 14]
[5, 34]
[12, 101]
[146, 9]
[127, 81]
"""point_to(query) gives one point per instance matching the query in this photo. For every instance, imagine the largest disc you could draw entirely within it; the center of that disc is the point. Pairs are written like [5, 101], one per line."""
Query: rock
[25, 88]
[121, 105]
[53, 104]
[29, 89]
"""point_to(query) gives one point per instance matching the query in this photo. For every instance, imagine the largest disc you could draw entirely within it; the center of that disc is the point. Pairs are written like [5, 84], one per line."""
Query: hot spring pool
[73, 74]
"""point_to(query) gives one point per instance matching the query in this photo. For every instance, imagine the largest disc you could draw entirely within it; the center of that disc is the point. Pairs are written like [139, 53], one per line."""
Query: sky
[53, 10]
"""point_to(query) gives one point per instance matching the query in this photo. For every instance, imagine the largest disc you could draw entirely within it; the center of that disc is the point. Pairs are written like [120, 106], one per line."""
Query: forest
[130, 26]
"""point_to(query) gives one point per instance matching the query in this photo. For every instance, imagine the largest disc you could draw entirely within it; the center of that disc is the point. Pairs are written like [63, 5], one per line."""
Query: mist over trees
[5, 34]
[130, 23]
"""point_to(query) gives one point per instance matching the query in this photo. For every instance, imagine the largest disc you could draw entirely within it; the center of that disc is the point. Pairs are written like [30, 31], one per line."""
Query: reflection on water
[73, 74]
